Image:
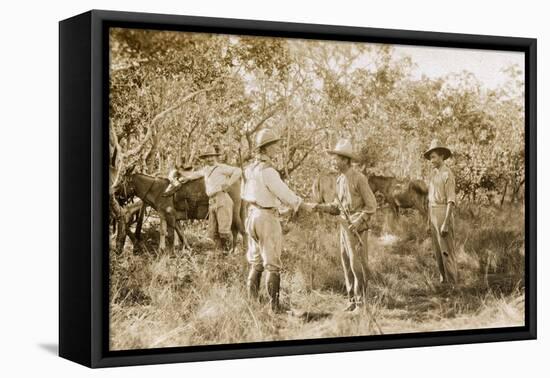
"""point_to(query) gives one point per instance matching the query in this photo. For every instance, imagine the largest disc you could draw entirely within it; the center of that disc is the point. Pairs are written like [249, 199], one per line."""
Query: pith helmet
[210, 151]
[265, 137]
[343, 148]
[436, 145]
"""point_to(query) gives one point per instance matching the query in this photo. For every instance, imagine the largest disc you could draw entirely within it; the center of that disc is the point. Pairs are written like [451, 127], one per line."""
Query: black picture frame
[83, 195]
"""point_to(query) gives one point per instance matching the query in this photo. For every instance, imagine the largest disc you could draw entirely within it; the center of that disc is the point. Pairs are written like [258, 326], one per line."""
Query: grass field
[199, 298]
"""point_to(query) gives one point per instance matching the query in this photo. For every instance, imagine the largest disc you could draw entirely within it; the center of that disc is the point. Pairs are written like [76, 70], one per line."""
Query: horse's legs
[162, 235]
[170, 238]
[395, 209]
[181, 234]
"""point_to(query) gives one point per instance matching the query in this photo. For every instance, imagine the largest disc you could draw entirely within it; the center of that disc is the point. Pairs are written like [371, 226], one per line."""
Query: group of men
[265, 192]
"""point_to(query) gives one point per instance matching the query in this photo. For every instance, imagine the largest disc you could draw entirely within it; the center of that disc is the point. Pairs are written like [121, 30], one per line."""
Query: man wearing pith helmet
[355, 204]
[265, 192]
[441, 202]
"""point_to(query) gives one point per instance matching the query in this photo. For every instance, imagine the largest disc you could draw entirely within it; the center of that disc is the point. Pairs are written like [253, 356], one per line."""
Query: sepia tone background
[173, 94]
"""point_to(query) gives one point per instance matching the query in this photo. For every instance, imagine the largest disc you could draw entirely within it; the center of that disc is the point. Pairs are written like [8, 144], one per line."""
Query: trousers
[444, 246]
[220, 215]
[354, 254]
[265, 239]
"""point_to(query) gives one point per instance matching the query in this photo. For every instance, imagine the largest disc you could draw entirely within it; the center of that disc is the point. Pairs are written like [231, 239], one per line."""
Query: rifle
[348, 219]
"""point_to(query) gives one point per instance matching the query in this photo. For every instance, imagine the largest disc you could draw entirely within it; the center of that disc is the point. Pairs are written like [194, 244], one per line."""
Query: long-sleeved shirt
[354, 194]
[441, 189]
[215, 177]
[265, 188]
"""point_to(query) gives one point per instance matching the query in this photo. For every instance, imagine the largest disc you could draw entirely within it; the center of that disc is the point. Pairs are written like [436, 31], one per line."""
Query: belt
[255, 205]
[438, 205]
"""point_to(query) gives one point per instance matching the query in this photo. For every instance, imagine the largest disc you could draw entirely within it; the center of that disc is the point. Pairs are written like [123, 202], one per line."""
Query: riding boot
[273, 282]
[226, 242]
[351, 304]
[253, 282]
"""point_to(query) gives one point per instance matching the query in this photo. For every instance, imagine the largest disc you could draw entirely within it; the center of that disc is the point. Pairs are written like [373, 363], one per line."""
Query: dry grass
[199, 298]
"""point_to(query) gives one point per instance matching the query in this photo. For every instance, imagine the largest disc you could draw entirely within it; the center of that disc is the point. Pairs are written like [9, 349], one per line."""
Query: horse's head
[125, 188]
[379, 183]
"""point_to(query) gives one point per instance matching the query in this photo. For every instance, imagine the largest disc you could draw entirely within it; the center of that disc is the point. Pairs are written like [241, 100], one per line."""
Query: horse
[188, 202]
[401, 193]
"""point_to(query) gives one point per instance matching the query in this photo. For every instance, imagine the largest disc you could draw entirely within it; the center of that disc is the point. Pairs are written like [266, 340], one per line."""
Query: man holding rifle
[354, 204]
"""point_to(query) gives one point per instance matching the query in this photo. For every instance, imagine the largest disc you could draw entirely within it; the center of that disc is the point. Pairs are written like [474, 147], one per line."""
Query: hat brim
[267, 143]
[446, 152]
[344, 154]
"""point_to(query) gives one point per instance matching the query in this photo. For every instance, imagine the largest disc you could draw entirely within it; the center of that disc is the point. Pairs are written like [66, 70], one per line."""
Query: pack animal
[401, 193]
[188, 202]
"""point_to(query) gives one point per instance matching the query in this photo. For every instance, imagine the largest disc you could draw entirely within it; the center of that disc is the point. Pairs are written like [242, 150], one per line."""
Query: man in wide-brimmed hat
[265, 192]
[441, 201]
[218, 178]
[355, 204]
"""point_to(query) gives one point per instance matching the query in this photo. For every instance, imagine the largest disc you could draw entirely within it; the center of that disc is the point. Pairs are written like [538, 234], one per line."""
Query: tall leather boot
[253, 282]
[273, 282]
[351, 306]
[226, 243]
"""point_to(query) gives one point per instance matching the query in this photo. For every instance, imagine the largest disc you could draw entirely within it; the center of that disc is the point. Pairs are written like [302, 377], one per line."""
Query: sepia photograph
[266, 189]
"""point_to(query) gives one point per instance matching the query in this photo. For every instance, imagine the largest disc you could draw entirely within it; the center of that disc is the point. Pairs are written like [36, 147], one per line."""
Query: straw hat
[344, 148]
[210, 151]
[436, 145]
[265, 137]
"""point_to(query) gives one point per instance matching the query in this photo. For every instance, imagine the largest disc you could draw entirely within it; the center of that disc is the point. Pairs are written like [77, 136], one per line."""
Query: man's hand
[327, 208]
[357, 221]
[308, 207]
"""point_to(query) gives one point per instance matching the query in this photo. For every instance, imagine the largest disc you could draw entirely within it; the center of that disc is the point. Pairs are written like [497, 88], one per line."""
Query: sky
[486, 65]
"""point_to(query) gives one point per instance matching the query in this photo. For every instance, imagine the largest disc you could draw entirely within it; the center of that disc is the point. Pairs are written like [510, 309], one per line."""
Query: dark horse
[189, 202]
[401, 193]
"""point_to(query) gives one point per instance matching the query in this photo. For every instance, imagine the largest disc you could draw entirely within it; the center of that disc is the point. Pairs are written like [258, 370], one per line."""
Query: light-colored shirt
[354, 194]
[215, 177]
[265, 188]
[441, 189]
[218, 175]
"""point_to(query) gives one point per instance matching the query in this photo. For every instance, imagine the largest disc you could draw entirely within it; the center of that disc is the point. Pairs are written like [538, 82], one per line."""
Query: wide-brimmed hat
[436, 145]
[210, 151]
[265, 137]
[343, 148]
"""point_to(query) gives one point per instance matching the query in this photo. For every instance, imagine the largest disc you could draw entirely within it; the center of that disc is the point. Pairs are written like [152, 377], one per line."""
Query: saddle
[171, 190]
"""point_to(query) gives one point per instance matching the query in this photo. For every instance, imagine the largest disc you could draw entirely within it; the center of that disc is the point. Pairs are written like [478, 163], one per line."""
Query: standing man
[441, 201]
[265, 192]
[218, 178]
[355, 204]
